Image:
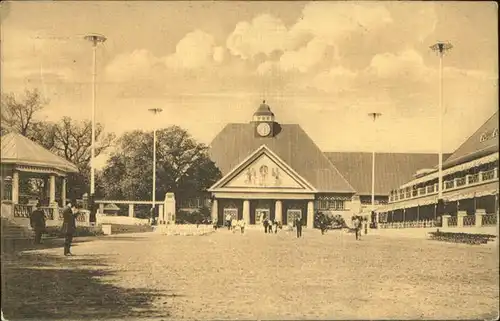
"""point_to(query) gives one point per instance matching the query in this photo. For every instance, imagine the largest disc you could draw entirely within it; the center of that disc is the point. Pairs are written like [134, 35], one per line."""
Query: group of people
[271, 226]
[38, 224]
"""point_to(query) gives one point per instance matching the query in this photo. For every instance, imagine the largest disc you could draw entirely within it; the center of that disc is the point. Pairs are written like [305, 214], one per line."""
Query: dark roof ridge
[328, 160]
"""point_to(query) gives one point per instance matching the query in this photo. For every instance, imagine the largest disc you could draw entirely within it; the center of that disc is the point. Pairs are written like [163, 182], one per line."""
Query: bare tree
[18, 115]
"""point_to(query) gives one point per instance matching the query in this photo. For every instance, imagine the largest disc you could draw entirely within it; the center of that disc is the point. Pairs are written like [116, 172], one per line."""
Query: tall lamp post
[155, 111]
[95, 39]
[374, 116]
[440, 48]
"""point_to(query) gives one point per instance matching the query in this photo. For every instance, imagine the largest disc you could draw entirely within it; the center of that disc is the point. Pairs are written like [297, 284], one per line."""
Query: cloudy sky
[324, 65]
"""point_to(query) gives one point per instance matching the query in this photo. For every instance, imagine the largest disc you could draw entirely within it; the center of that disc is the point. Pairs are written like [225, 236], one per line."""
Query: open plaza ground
[252, 276]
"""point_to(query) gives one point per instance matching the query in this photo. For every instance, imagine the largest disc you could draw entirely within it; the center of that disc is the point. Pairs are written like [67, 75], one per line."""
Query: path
[251, 276]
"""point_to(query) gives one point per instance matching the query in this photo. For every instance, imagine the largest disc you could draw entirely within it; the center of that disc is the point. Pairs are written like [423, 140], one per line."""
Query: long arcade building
[470, 183]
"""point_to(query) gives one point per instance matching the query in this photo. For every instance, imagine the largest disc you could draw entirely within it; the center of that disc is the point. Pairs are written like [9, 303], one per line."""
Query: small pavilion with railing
[30, 172]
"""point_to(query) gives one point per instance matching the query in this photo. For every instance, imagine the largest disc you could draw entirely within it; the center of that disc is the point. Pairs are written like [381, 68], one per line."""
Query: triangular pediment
[263, 170]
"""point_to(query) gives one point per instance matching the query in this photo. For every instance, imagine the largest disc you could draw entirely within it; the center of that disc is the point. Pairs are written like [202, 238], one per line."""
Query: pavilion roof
[483, 141]
[20, 150]
[111, 207]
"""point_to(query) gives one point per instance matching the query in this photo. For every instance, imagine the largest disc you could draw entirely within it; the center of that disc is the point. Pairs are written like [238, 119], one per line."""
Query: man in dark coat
[69, 226]
[298, 225]
[37, 222]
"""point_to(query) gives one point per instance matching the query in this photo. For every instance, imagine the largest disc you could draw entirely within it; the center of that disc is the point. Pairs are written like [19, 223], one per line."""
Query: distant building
[277, 171]
[111, 209]
[470, 182]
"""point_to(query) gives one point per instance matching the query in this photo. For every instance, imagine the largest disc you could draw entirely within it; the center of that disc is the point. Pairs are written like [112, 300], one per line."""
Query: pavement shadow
[18, 245]
[47, 287]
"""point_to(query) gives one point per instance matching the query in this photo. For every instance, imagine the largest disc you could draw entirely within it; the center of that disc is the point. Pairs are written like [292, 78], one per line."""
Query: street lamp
[155, 111]
[440, 48]
[95, 39]
[374, 116]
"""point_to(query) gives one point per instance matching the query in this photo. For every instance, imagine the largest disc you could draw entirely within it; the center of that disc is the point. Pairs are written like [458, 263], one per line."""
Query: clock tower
[263, 120]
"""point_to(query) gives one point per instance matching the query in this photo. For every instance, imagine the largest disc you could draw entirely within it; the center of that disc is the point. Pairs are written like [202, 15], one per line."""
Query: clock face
[263, 129]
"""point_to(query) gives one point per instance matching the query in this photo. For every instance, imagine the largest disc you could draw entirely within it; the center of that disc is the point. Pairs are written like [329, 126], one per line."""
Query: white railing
[83, 216]
[486, 176]
[48, 212]
[22, 210]
[408, 224]
[452, 221]
[460, 182]
[489, 220]
[471, 179]
[469, 220]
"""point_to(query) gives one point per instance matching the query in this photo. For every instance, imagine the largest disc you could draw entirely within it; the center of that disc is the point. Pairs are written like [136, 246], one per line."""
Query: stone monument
[169, 209]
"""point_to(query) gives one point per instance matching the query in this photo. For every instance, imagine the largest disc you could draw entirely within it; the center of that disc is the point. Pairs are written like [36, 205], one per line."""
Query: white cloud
[331, 20]
[266, 68]
[195, 50]
[304, 58]
[264, 34]
[134, 65]
[336, 79]
[408, 63]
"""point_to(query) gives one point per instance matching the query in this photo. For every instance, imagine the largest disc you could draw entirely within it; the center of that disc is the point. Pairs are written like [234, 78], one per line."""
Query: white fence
[122, 220]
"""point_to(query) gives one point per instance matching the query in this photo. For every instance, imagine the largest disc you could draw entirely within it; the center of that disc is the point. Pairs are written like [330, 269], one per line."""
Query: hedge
[55, 231]
[467, 238]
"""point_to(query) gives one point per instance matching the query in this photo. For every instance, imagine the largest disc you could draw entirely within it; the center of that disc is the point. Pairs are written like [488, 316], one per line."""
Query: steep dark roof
[473, 147]
[391, 169]
[237, 141]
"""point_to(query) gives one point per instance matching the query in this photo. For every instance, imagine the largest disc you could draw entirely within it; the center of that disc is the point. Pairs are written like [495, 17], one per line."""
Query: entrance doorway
[292, 215]
[231, 213]
[261, 214]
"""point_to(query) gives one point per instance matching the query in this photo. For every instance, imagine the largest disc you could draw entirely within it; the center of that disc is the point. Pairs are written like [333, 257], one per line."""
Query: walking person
[242, 226]
[228, 221]
[298, 226]
[69, 226]
[266, 225]
[37, 222]
[357, 227]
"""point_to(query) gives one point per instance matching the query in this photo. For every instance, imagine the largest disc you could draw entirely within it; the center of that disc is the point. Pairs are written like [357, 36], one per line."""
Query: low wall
[184, 229]
[424, 232]
[121, 220]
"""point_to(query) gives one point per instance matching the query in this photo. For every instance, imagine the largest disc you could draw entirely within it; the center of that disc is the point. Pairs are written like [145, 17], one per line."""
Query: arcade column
[15, 187]
[278, 210]
[310, 214]
[246, 211]
[63, 192]
[215, 210]
[52, 189]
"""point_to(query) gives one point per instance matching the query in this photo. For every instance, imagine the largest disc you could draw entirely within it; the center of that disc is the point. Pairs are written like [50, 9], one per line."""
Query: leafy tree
[72, 140]
[183, 166]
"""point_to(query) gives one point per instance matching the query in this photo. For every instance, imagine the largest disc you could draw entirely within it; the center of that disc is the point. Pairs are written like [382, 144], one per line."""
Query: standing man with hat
[69, 226]
[37, 222]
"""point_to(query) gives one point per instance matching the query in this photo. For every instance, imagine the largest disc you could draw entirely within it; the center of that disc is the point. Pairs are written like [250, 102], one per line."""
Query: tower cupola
[263, 113]
[263, 120]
